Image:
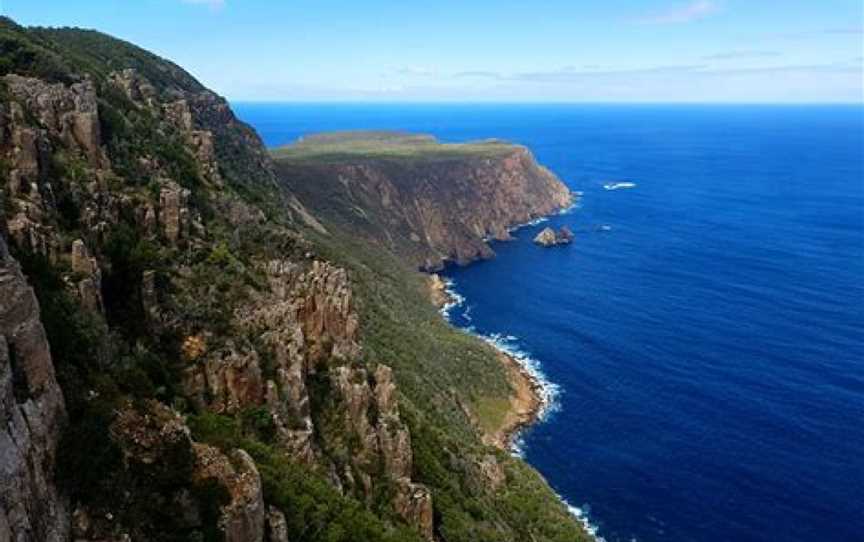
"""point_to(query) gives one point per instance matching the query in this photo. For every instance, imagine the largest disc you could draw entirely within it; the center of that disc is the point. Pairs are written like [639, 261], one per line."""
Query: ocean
[704, 333]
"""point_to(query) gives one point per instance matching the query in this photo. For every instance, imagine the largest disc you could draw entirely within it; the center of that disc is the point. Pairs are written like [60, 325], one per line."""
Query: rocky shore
[528, 400]
[526, 404]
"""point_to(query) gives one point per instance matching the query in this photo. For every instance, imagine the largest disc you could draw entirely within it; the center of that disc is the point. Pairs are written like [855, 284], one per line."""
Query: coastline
[526, 404]
[534, 395]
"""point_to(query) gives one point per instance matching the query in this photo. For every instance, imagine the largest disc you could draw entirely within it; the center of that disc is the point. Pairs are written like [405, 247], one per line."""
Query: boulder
[546, 238]
[549, 238]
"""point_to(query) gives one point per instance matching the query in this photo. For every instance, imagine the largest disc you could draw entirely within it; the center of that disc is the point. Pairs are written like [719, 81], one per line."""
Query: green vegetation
[62, 54]
[438, 367]
[314, 510]
[447, 380]
[358, 146]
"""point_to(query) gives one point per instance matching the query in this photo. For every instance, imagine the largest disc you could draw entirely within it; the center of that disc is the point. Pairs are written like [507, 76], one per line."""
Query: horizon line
[533, 103]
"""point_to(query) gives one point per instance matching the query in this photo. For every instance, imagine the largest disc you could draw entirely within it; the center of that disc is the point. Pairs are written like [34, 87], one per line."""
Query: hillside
[432, 203]
[188, 352]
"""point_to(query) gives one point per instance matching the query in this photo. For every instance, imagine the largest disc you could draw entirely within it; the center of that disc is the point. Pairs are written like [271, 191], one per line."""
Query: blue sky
[492, 50]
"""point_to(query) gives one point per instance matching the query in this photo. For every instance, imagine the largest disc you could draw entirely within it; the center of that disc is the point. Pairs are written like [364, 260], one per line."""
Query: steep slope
[430, 202]
[229, 371]
[32, 405]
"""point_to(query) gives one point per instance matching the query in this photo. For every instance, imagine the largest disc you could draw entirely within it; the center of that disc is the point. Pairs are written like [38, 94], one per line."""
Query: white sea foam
[619, 186]
[581, 514]
[509, 345]
[577, 204]
[534, 222]
[549, 391]
[454, 298]
[467, 314]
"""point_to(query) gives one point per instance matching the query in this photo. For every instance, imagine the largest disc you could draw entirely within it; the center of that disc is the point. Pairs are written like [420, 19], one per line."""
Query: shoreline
[526, 404]
[534, 396]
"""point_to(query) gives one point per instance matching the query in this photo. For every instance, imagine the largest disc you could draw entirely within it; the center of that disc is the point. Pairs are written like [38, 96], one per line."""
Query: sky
[778, 51]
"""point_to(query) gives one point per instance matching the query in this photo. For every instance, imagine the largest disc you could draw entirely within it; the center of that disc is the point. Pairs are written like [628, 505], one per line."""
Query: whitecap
[619, 185]
[467, 314]
[581, 515]
[548, 390]
[454, 298]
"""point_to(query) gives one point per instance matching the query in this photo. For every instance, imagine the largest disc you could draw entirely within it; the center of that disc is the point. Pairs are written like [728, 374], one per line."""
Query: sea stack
[548, 237]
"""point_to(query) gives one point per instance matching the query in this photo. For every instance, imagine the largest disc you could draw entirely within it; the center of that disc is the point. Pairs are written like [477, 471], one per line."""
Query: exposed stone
[149, 297]
[438, 291]
[89, 286]
[565, 235]
[136, 87]
[243, 518]
[403, 208]
[148, 435]
[546, 237]
[413, 502]
[31, 403]
[173, 212]
[70, 111]
[277, 527]
[491, 471]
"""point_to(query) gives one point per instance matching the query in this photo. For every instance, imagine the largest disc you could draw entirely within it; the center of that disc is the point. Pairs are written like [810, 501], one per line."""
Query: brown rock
[277, 527]
[31, 403]
[430, 210]
[546, 238]
[413, 502]
[243, 518]
[173, 211]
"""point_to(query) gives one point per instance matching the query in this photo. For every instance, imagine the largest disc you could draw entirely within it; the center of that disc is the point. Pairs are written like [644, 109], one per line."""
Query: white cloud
[693, 11]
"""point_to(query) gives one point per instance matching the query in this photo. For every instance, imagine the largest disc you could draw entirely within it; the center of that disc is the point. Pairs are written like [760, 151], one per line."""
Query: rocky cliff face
[215, 381]
[32, 407]
[432, 209]
[122, 193]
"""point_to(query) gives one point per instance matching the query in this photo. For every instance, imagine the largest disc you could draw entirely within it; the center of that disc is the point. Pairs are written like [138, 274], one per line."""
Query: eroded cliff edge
[233, 368]
[431, 202]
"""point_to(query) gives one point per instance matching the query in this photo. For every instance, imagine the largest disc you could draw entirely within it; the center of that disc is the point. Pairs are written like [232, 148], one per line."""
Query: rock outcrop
[244, 517]
[181, 291]
[439, 204]
[32, 407]
[549, 238]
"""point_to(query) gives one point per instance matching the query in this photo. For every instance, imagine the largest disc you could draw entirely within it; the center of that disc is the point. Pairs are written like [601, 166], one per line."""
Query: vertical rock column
[32, 408]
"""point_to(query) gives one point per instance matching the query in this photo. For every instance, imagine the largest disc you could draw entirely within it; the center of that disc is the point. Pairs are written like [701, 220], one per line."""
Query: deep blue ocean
[706, 328]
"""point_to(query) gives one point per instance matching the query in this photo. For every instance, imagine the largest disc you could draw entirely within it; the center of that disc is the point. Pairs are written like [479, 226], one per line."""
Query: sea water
[703, 336]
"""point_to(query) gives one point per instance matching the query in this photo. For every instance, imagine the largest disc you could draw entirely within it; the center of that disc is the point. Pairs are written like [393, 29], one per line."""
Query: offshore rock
[546, 238]
[31, 403]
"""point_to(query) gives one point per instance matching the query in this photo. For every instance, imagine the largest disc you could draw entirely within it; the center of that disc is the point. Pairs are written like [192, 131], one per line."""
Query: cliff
[431, 202]
[187, 352]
